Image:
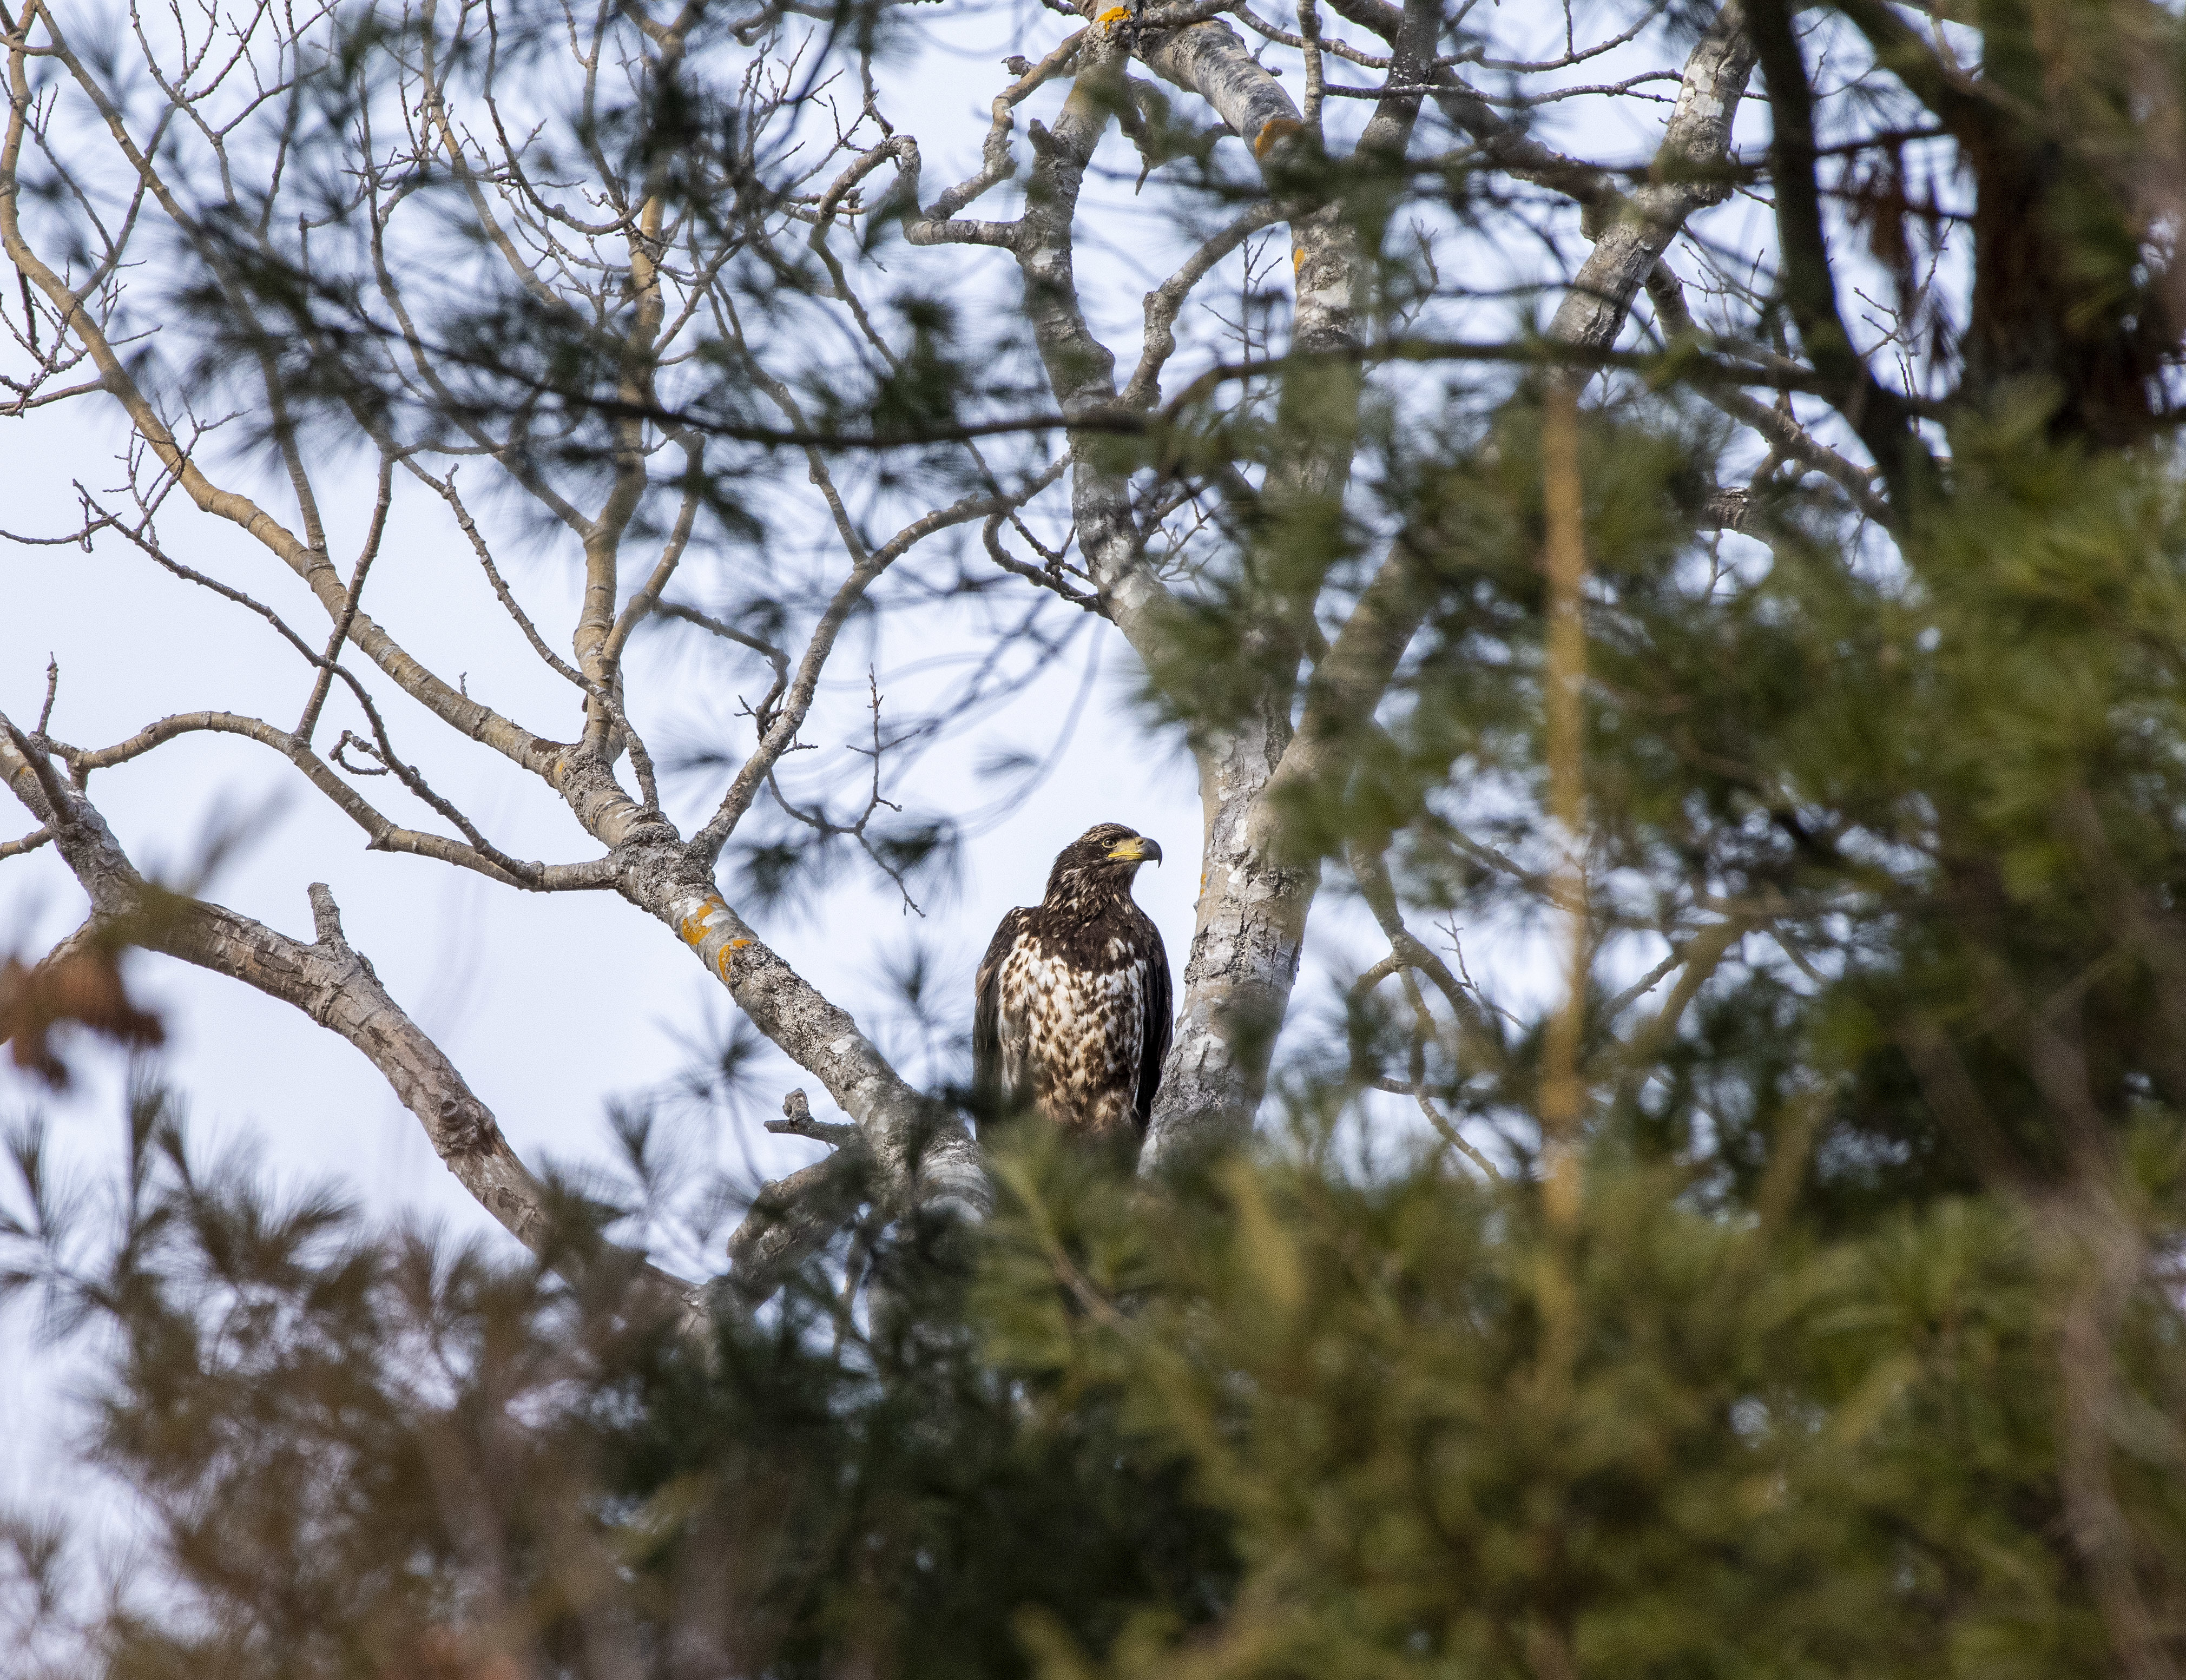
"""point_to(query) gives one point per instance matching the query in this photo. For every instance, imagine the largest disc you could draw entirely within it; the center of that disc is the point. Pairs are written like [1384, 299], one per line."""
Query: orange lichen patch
[1114, 14]
[728, 955]
[694, 924]
[1273, 131]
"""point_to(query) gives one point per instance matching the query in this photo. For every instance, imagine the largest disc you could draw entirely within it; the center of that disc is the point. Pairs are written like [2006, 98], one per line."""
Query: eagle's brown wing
[1156, 1027]
[989, 1097]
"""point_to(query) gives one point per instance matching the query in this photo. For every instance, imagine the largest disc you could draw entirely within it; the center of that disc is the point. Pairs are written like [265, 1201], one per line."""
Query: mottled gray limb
[1254, 901]
[1211, 60]
[792, 1219]
[333, 985]
[1688, 174]
[796, 1121]
[1048, 577]
[1159, 341]
[922, 1154]
[1250, 921]
[1247, 944]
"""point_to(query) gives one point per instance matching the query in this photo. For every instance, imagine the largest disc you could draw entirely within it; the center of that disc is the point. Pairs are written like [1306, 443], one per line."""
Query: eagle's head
[1100, 862]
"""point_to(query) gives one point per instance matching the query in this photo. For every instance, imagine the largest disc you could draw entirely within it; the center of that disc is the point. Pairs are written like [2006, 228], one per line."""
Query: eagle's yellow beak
[1136, 849]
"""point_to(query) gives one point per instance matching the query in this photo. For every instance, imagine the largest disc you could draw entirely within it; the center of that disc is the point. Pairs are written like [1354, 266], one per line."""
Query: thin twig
[353, 594]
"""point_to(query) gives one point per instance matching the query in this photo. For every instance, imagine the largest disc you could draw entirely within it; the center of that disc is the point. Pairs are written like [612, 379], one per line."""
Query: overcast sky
[554, 1007]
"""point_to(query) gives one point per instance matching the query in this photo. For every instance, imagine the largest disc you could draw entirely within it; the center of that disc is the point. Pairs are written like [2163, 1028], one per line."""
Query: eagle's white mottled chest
[1072, 1035]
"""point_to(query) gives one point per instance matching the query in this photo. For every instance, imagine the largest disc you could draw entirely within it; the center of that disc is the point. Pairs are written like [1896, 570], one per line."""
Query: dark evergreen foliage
[1846, 1336]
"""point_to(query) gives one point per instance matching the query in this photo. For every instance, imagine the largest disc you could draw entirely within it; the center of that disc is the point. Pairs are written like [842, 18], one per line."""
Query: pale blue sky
[552, 1007]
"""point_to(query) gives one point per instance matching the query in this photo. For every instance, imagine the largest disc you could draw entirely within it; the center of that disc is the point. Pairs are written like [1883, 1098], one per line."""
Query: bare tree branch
[336, 987]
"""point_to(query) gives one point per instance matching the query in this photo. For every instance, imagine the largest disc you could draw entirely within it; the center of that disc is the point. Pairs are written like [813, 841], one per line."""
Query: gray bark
[332, 984]
[1255, 894]
[1255, 897]
[1687, 175]
[925, 1155]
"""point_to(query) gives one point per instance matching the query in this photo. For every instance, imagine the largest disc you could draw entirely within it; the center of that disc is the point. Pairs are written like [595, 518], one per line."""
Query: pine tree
[1791, 1286]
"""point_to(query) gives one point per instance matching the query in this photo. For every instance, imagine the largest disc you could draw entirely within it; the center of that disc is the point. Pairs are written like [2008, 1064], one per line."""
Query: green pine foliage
[1859, 1349]
[1861, 1353]
[1275, 1420]
[1453, 1444]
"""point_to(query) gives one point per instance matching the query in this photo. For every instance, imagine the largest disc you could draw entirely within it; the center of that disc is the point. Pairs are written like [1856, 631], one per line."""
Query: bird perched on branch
[1072, 1016]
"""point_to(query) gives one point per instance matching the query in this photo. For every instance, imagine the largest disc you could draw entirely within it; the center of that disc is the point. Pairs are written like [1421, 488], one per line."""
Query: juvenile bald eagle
[1072, 1016]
